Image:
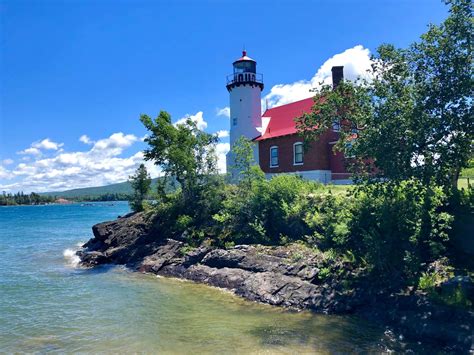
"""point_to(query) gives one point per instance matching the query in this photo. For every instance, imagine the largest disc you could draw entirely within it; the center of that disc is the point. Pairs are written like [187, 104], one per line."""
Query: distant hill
[119, 188]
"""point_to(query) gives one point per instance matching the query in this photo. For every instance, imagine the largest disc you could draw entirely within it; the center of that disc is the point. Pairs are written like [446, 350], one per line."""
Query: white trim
[294, 153]
[278, 156]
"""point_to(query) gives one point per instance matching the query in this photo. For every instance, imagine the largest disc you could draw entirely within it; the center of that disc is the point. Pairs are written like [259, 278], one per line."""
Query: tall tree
[183, 152]
[414, 117]
[141, 183]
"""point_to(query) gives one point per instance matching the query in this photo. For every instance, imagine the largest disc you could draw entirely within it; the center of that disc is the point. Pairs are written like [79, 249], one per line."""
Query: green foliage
[244, 163]
[328, 215]
[413, 118]
[183, 152]
[396, 227]
[186, 249]
[20, 198]
[141, 183]
[266, 212]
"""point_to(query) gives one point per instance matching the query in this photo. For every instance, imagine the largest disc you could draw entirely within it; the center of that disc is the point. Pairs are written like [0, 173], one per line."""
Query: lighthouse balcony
[238, 79]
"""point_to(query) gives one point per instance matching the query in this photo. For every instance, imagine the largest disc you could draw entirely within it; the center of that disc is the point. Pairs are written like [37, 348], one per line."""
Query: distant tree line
[111, 196]
[20, 198]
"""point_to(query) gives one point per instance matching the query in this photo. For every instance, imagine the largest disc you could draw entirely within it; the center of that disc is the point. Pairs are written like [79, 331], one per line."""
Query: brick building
[278, 148]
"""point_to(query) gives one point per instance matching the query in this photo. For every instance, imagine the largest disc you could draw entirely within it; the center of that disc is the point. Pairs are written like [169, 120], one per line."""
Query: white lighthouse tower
[245, 86]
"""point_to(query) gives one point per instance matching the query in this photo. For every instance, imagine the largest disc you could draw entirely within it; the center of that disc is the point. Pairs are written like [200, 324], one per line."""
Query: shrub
[397, 227]
[266, 211]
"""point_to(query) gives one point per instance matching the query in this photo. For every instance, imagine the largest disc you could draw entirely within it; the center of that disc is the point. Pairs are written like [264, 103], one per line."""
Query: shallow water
[47, 304]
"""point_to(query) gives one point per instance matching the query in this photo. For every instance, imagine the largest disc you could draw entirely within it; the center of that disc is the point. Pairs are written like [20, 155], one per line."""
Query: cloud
[197, 118]
[222, 134]
[85, 139]
[356, 62]
[4, 173]
[102, 164]
[225, 111]
[31, 151]
[7, 161]
[47, 144]
[36, 147]
[221, 151]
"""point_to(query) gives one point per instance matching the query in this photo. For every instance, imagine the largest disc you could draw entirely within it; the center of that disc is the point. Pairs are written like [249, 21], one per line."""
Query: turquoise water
[48, 304]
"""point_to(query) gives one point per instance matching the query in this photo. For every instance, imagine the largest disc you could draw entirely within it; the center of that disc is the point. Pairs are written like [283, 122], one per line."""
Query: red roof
[282, 118]
[244, 58]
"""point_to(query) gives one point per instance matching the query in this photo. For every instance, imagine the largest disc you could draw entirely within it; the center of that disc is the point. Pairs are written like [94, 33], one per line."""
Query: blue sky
[72, 69]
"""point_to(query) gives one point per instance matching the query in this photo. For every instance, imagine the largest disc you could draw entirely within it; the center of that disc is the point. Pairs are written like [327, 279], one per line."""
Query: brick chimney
[337, 75]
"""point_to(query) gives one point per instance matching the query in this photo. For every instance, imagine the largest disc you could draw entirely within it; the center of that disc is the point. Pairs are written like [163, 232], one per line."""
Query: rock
[290, 276]
[462, 284]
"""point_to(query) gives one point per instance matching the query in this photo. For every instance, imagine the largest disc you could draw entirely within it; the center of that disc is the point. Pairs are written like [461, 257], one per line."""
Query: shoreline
[287, 276]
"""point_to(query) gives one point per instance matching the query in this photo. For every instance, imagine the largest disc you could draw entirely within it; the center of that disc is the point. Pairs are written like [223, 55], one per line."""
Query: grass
[463, 182]
[338, 188]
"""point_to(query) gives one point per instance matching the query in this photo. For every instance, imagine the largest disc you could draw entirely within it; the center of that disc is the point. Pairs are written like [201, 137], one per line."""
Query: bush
[266, 211]
[397, 227]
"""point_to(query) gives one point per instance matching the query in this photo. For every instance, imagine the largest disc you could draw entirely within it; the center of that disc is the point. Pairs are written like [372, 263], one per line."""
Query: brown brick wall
[316, 158]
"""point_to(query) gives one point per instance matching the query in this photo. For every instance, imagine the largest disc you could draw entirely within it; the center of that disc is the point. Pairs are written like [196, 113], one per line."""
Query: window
[234, 121]
[298, 153]
[273, 157]
[336, 126]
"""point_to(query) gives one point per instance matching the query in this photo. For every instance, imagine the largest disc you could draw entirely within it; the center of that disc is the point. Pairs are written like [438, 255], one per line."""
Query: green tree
[244, 163]
[413, 119]
[183, 152]
[140, 182]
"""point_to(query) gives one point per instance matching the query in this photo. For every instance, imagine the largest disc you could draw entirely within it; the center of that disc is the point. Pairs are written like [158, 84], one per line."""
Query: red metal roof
[244, 58]
[282, 118]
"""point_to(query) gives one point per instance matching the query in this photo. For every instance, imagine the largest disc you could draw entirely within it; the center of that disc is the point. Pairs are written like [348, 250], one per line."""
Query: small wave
[71, 257]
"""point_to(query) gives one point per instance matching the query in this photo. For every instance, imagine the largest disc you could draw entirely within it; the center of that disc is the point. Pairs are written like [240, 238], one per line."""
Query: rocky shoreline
[290, 276]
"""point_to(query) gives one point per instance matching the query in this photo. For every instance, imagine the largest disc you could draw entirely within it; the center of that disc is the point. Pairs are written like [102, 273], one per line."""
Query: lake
[49, 304]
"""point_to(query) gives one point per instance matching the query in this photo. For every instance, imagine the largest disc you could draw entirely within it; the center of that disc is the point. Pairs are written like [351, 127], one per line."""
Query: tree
[141, 183]
[183, 152]
[244, 163]
[413, 119]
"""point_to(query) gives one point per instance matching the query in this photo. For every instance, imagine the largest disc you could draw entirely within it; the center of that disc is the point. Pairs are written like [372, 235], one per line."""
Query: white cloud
[7, 161]
[36, 147]
[102, 164]
[4, 173]
[113, 145]
[221, 151]
[31, 151]
[85, 139]
[225, 111]
[356, 62]
[222, 134]
[197, 118]
[47, 144]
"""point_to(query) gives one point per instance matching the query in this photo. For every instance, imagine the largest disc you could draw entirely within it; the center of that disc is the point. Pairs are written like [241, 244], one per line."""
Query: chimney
[337, 75]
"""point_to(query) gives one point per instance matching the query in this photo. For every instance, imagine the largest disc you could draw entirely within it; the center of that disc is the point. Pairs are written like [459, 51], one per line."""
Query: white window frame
[278, 157]
[294, 153]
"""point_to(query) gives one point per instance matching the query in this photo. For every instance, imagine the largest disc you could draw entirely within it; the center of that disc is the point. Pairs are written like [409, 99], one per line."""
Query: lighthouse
[245, 86]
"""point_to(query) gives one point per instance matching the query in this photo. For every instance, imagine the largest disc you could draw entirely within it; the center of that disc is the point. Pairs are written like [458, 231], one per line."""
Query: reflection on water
[47, 305]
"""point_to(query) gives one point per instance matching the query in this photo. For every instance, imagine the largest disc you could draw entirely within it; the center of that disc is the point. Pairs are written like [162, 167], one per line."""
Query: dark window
[298, 153]
[273, 156]
[234, 121]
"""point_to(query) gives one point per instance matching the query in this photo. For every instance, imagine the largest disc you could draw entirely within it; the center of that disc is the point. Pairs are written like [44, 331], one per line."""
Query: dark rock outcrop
[291, 276]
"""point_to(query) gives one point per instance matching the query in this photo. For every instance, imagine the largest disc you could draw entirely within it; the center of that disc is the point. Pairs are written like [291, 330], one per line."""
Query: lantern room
[245, 72]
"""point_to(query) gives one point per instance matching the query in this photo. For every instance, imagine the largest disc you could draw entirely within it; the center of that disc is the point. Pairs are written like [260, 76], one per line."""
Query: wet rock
[289, 276]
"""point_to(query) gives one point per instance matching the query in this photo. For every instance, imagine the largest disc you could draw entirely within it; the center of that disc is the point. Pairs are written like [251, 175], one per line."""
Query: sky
[76, 75]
